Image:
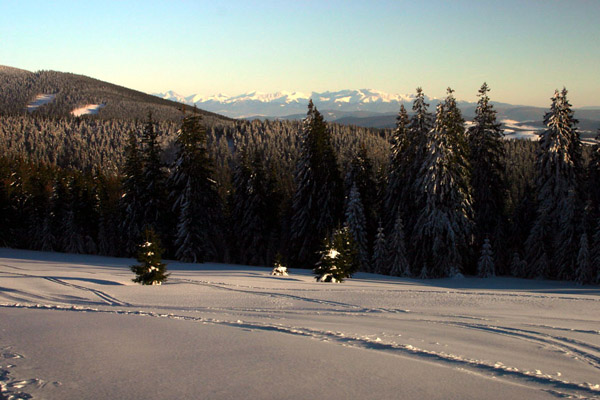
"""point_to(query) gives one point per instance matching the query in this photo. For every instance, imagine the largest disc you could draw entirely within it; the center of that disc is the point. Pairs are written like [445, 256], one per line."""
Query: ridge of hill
[63, 94]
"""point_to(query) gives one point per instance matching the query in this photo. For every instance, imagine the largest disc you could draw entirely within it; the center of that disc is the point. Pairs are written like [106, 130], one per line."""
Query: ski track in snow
[105, 297]
[497, 369]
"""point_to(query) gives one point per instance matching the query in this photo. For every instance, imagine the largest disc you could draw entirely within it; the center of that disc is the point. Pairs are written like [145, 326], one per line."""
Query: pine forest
[432, 198]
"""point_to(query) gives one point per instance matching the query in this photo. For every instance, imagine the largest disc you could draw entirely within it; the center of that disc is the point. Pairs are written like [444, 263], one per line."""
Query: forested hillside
[429, 198]
[18, 88]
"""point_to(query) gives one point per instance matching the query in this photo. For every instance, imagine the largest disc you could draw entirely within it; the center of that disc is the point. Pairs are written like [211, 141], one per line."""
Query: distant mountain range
[364, 107]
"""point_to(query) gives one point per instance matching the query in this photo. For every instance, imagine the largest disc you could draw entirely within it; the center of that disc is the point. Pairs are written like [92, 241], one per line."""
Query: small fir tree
[355, 219]
[399, 265]
[151, 270]
[518, 267]
[584, 273]
[485, 266]
[339, 258]
[380, 252]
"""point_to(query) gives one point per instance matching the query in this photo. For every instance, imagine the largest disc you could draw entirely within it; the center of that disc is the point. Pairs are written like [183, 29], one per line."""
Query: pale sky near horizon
[523, 49]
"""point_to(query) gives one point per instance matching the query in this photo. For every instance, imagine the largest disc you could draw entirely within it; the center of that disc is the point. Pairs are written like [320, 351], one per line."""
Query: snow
[345, 99]
[88, 109]
[39, 101]
[74, 326]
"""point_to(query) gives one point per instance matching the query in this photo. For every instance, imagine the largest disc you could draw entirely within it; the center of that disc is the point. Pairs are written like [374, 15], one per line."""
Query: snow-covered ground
[87, 109]
[74, 327]
[520, 130]
[39, 101]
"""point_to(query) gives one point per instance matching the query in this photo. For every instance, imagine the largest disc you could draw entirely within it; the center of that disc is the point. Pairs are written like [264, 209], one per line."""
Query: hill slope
[59, 94]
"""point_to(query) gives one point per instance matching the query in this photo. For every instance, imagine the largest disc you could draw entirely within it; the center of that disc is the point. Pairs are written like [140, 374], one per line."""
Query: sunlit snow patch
[91, 109]
[39, 101]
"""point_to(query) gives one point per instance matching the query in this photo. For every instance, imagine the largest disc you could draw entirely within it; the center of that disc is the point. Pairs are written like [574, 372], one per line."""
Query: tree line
[428, 199]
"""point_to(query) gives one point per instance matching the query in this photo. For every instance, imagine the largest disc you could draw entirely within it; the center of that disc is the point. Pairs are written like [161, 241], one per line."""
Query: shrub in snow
[150, 271]
[339, 258]
[485, 266]
[279, 270]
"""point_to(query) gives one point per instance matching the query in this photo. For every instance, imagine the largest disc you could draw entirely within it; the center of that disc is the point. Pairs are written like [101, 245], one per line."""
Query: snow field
[39, 101]
[227, 331]
[88, 109]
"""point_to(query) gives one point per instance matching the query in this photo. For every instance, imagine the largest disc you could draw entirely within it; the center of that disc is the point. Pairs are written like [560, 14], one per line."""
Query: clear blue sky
[524, 49]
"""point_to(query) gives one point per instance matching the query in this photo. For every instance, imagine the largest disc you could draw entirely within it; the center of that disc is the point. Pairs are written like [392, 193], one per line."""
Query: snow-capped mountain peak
[285, 103]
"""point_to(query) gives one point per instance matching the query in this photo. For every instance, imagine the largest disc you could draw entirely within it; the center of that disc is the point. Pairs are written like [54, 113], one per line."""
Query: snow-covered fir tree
[338, 258]
[194, 194]
[485, 265]
[487, 156]
[380, 253]
[362, 173]
[401, 159]
[398, 259]
[409, 147]
[151, 270]
[584, 273]
[559, 165]
[317, 204]
[443, 228]
[355, 220]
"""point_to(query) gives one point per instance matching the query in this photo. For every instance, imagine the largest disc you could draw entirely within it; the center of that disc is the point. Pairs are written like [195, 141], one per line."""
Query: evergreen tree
[593, 177]
[362, 173]
[518, 267]
[584, 272]
[73, 233]
[379, 262]
[194, 194]
[151, 270]
[398, 259]
[443, 228]
[595, 252]
[409, 148]
[154, 193]
[132, 200]
[338, 259]
[316, 206]
[260, 217]
[539, 245]
[559, 165]
[487, 155]
[485, 266]
[400, 166]
[355, 220]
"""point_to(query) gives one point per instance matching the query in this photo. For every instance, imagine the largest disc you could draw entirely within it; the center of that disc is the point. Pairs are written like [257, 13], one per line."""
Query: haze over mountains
[363, 107]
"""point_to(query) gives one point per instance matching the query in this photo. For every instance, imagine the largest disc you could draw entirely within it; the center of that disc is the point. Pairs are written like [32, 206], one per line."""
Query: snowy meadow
[74, 326]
